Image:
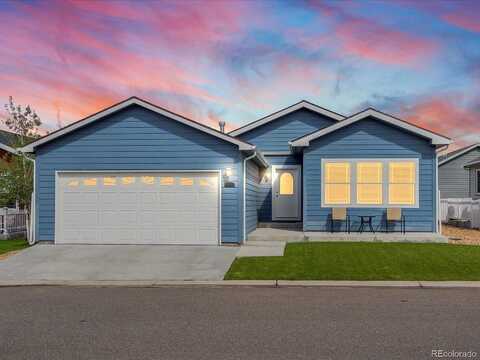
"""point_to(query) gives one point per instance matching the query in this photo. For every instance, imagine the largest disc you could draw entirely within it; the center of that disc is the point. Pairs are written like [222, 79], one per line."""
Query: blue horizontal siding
[251, 195]
[370, 139]
[137, 139]
[264, 198]
[275, 135]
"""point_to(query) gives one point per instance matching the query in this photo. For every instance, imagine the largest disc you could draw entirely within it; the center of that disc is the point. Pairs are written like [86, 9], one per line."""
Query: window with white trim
[370, 183]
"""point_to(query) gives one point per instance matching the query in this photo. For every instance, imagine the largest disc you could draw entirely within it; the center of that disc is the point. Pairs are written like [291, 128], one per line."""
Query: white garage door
[137, 208]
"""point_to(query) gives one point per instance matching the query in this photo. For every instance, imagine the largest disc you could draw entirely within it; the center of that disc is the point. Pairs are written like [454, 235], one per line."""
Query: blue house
[136, 173]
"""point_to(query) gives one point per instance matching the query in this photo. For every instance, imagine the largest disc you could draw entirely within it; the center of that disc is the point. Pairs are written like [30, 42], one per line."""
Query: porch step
[281, 225]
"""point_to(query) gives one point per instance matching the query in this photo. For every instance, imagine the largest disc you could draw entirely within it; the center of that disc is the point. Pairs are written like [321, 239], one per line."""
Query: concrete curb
[246, 283]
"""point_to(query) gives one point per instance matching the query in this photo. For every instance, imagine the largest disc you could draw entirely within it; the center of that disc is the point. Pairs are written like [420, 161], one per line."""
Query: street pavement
[236, 323]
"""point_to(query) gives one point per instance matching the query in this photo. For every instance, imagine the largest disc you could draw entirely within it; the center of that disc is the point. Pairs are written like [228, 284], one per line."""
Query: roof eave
[435, 139]
[30, 148]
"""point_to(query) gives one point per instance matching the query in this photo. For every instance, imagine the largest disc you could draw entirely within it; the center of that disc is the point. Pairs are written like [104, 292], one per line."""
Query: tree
[17, 175]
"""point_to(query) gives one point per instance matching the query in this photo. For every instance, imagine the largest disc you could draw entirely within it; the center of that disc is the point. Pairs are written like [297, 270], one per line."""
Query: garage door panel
[119, 219]
[80, 219]
[131, 208]
[80, 201]
[80, 237]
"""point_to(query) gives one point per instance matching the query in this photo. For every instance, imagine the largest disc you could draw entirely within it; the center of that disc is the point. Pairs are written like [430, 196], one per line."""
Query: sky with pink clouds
[241, 60]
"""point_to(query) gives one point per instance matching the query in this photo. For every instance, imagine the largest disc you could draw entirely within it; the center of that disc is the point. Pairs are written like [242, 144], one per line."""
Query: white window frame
[385, 182]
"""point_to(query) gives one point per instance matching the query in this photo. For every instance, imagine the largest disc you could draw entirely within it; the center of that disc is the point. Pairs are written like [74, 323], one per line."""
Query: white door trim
[299, 195]
[217, 171]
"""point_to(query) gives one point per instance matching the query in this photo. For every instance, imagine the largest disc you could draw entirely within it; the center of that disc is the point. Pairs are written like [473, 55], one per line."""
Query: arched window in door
[286, 184]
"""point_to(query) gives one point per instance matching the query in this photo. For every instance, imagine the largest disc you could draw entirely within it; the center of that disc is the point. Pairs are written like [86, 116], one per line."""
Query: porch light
[228, 172]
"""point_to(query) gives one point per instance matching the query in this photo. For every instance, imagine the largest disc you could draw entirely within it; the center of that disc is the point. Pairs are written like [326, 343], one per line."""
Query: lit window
[109, 181]
[286, 184]
[167, 181]
[90, 182]
[186, 181]
[401, 183]
[204, 182]
[128, 180]
[369, 183]
[149, 180]
[73, 183]
[337, 183]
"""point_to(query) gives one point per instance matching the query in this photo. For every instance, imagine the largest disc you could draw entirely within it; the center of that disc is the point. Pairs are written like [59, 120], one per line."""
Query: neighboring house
[458, 172]
[137, 173]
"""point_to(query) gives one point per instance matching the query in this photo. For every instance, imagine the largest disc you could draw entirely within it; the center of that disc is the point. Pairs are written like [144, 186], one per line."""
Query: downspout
[244, 240]
[438, 226]
[31, 235]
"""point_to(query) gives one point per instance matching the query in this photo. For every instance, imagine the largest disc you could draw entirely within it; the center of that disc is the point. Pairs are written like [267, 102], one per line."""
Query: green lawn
[12, 245]
[362, 261]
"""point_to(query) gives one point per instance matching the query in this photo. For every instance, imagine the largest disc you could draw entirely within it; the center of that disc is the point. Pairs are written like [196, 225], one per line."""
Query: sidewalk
[249, 283]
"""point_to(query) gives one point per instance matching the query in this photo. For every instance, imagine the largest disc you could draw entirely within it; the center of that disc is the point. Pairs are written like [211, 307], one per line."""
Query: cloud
[372, 41]
[445, 115]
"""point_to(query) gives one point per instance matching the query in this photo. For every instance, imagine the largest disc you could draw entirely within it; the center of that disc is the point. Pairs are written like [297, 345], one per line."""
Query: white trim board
[385, 182]
[136, 101]
[301, 105]
[435, 139]
[61, 172]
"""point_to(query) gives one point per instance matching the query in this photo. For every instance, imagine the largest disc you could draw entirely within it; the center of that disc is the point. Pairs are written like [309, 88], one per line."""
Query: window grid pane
[369, 183]
[337, 183]
[401, 187]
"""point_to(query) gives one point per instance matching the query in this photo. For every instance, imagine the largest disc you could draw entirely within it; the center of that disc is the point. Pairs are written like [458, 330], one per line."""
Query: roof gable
[144, 104]
[288, 110]
[435, 139]
[457, 153]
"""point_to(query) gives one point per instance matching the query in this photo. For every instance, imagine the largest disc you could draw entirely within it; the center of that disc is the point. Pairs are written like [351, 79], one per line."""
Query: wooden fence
[467, 210]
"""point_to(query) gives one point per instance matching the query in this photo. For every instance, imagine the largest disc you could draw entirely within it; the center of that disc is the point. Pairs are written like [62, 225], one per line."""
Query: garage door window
[148, 180]
[128, 180]
[72, 183]
[90, 182]
[186, 181]
[109, 181]
[167, 181]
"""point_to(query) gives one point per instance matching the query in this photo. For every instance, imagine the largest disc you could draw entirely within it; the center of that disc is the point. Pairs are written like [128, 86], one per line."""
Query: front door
[286, 192]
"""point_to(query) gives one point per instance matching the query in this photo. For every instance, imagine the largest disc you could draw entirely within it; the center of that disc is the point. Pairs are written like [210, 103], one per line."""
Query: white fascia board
[135, 101]
[434, 138]
[261, 159]
[286, 111]
[460, 153]
[8, 149]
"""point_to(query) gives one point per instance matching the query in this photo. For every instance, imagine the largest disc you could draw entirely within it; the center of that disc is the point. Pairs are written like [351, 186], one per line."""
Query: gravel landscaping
[462, 236]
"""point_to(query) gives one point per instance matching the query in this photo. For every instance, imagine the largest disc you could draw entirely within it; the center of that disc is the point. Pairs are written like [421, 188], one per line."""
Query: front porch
[295, 235]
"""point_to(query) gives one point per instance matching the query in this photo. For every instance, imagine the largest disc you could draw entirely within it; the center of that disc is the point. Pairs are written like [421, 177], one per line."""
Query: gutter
[244, 239]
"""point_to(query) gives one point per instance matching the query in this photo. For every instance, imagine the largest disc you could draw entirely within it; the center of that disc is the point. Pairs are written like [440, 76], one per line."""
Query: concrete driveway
[117, 262]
